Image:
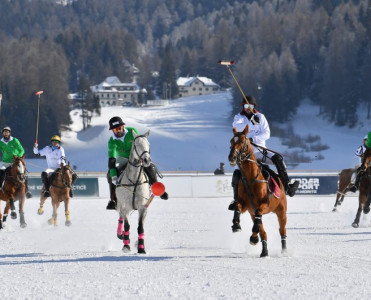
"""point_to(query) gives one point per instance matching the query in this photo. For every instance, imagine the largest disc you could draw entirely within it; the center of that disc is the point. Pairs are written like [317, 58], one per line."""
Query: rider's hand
[255, 119]
[35, 145]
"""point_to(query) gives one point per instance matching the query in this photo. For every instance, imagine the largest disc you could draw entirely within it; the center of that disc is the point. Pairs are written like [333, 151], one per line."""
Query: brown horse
[254, 193]
[61, 181]
[15, 189]
[364, 198]
[344, 184]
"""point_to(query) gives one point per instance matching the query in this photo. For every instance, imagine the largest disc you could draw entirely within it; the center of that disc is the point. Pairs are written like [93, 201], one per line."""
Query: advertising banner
[83, 187]
[319, 185]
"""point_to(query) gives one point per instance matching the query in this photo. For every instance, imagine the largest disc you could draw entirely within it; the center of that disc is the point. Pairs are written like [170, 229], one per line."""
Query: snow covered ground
[191, 253]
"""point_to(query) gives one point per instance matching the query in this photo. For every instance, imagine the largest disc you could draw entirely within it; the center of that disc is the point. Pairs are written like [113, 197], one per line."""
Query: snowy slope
[192, 134]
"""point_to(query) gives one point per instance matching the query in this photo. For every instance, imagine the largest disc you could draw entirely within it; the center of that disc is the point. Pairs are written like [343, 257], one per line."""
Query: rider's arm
[112, 157]
[263, 132]
[239, 122]
[62, 157]
[19, 147]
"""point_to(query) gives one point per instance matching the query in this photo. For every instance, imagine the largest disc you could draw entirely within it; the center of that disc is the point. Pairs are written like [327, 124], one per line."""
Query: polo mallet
[228, 63]
[38, 113]
[158, 189]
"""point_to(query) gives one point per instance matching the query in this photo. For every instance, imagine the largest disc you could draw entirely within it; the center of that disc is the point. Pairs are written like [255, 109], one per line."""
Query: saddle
[272, 179]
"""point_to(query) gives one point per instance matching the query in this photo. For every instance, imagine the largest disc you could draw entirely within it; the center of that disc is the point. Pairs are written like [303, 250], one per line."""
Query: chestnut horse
[344, 184]
[254, 194]
[364, 198]
[60, 186]
[14, 189]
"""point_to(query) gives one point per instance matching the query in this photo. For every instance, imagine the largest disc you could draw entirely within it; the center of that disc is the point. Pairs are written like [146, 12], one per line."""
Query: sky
[193, 134]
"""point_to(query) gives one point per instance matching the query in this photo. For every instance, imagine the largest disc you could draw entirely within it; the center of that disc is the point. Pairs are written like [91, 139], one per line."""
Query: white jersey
[54, 158]
[259, 133]
[359, 152]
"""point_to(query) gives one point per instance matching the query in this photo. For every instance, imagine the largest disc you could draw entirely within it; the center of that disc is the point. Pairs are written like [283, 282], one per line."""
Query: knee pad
[236, 177]
[277, 158]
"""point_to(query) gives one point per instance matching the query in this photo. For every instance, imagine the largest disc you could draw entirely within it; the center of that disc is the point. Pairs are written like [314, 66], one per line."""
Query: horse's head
[140, 152]
[241, 148]
[18, 168]
[66, 174]
[366, 159]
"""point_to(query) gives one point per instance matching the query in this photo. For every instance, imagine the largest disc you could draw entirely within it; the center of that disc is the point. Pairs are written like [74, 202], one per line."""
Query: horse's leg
[40, 211]
[256, 218]
[13, 213]
[142, 216]
[366, 206]
[338, 201]
[66, 211]
[126, 239]
[282, 220]
[236, 227]
[53, 219]
[120, 228]
[1, 218]
[6, 211]
[21, 211]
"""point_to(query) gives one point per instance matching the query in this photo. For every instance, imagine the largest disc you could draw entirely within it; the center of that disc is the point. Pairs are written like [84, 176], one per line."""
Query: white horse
[133, 191]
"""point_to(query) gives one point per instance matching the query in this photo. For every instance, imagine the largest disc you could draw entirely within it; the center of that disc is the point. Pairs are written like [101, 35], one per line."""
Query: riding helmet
[56, 138]
[249, 99]
[6, 128]
[115, 122]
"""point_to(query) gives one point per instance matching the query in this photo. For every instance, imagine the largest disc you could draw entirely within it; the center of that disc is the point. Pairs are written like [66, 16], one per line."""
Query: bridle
[138, 162]
[19, 176]
[242, 155]
[66, 174]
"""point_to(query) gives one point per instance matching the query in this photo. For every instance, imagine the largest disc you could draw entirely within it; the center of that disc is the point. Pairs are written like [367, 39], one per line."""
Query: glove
[255, 119]
[115, 180]
[36, 145]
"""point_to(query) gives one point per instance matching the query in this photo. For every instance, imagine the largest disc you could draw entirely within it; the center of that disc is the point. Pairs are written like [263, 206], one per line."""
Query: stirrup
[46, 194]
[28, 195]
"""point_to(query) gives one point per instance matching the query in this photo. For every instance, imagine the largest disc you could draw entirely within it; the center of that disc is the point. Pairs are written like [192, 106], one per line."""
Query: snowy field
[191, 253]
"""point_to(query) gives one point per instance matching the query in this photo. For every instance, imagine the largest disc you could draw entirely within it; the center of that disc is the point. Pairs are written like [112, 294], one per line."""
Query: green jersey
[121, 146]
[10, 148]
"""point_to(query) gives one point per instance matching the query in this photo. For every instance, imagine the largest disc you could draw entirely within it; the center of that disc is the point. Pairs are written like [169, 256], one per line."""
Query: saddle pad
[274, 187]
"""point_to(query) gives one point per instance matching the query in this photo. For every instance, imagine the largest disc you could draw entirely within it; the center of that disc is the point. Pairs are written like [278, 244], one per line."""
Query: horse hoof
[40, 211]
[23, 225]
[334, 209]
[366, 210]
[126, 248]
[236, 228]
[355, 225]
[13, 214]
[141, 251]
[264, 254]
[52, 222]
[254, 240]
[68, 223]
[120, 236]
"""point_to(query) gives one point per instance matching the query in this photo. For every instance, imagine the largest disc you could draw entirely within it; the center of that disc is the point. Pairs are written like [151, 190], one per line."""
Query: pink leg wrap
[120, 226]
[141, 236]
[141, 246]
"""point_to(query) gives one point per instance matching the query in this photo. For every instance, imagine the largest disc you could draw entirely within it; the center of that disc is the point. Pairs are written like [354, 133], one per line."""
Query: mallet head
[226, 62]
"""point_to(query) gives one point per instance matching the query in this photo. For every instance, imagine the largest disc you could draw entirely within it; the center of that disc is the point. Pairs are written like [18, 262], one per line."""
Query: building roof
[112, 83]
[187, 81]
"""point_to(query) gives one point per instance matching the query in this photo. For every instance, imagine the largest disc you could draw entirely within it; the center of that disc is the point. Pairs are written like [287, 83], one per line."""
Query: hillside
[192, 134]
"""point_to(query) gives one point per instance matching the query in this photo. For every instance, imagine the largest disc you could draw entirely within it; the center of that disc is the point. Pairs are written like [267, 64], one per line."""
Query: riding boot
[151, 172]
[360, 172]
[74, 177]
[290, 188]
[2, 177]
[235, 181]
[45, 181]
[113, 200]
[28, 193]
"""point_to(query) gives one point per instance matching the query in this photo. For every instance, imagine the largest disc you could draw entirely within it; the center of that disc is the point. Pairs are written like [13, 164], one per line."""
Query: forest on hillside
[284, 51]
